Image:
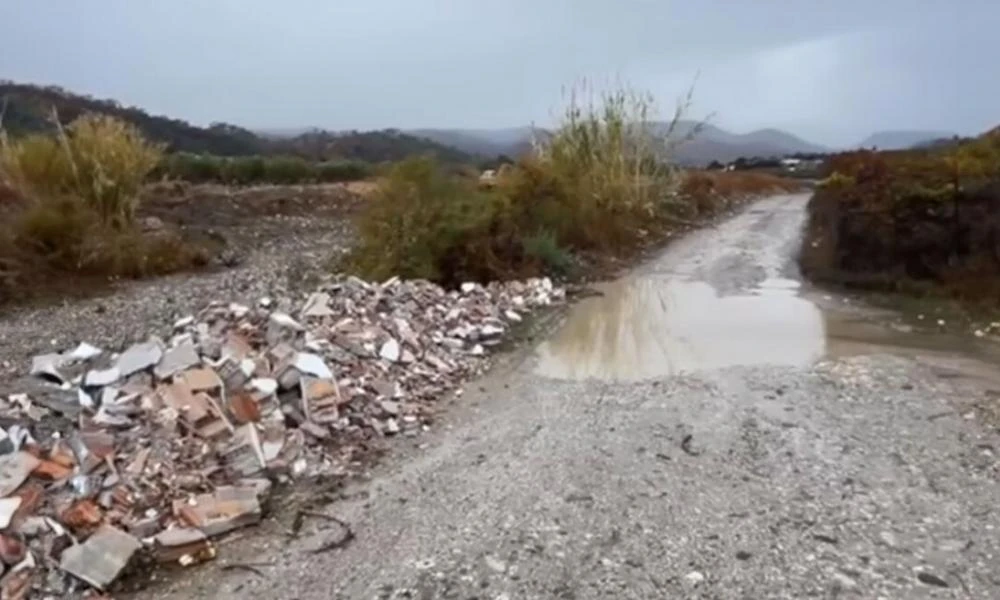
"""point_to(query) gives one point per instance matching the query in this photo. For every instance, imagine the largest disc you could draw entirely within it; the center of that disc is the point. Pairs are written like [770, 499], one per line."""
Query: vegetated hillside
[902, 139]
[29, 109]
[368, 146]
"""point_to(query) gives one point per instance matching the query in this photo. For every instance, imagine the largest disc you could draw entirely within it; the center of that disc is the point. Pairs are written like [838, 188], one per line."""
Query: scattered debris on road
[175, 441]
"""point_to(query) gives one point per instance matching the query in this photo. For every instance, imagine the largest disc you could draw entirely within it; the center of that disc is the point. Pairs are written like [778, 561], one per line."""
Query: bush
[599, 184]
[72, 203]
[920, 219]
[249, 170]
[423, 224]
[97, 160]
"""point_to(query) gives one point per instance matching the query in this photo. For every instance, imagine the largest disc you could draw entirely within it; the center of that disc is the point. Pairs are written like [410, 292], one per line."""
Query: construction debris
[177, 440]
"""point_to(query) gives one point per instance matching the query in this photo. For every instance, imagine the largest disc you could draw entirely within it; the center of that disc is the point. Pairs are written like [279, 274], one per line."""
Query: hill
[903, 139]
[709, 144]
[29, 109]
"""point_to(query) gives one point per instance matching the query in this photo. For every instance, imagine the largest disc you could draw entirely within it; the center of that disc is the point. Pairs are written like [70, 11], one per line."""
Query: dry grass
[70, 205]
[601, 187]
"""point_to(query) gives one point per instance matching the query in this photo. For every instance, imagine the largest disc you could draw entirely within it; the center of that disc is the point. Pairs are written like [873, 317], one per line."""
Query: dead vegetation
[919, 221]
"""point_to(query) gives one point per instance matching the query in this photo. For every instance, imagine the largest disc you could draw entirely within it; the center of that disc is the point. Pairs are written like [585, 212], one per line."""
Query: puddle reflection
[648, 327]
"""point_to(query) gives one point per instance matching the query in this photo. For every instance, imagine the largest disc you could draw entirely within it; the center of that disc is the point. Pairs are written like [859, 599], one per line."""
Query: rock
[152, 224]
[495, 564]
[931, 579]
[694, 578]
[390, 350]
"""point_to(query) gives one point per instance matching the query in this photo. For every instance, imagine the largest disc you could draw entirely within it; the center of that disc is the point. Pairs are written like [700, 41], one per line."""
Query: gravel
[133, 310]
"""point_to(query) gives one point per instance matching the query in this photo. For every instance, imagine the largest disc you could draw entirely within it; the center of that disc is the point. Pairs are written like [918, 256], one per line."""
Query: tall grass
[600, 183]
[70, 205]
[98, 161]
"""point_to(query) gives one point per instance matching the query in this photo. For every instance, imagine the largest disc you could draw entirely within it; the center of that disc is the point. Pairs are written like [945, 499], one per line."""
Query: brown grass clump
[923, 221]
[70, 203]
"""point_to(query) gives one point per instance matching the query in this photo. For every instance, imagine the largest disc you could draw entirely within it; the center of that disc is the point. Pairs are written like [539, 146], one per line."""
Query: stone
[390, 350]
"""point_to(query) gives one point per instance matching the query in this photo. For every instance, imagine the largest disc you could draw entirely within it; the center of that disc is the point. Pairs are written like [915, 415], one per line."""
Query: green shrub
[598, 184]
[423, 224]
[544, 248]
[72, 203]
[334, 172]
[97, 160]
[287, 170]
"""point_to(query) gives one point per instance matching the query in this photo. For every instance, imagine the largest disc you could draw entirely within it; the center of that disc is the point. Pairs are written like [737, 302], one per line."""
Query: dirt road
[707, 429]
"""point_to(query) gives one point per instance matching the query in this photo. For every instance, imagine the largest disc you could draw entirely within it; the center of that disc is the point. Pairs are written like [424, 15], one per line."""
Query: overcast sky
[831, 72]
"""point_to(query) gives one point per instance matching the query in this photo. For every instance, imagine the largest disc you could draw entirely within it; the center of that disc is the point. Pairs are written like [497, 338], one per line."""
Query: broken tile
[8, 507]
[14, 469]
[139, 357]
[320, 400]
[177, 359]
[201, 380]
[244, 454]
[100, 559]
[101, 378]
[225, 510]
[312, 364]
[318, 306]
[82, 352]
[186, 545]
[46, 366]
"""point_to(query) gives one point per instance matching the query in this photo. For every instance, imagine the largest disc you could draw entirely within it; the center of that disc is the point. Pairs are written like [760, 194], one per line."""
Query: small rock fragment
[390, 350]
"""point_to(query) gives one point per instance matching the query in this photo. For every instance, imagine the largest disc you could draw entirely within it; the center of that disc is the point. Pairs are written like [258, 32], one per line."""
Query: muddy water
[644, 327]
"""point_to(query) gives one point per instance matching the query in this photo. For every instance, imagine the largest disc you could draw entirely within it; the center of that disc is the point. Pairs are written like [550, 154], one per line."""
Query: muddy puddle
[645, 327]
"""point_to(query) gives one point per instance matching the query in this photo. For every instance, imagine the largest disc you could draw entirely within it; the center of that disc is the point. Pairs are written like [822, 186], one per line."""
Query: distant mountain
[903, 139]
[510, 141]
[709, 143]
[30, 109]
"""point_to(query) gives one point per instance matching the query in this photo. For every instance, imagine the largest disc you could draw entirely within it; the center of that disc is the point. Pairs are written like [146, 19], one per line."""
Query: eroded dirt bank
[708, 429]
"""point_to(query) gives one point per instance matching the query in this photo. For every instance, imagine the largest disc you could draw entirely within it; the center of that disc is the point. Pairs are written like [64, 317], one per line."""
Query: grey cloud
[829, 71]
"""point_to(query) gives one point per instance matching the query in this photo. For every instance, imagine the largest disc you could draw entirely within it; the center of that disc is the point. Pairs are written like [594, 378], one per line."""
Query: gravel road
[708, 429]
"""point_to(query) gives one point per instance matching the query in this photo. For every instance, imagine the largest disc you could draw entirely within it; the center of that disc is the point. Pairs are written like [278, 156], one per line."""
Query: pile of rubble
[160, 448]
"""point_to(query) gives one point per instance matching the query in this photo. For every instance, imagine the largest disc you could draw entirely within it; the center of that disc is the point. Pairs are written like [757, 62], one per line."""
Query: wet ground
[709, 427]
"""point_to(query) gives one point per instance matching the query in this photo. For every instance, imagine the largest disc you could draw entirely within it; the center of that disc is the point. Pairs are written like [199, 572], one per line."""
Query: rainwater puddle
[647, 327]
